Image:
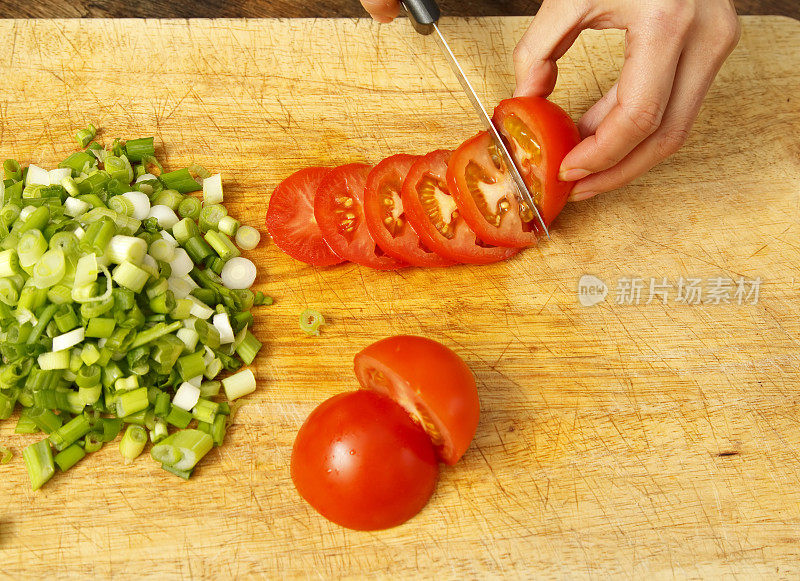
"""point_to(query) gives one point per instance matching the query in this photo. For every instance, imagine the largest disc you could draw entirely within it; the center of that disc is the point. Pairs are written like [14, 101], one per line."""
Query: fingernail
[580, 196]
[573, 175]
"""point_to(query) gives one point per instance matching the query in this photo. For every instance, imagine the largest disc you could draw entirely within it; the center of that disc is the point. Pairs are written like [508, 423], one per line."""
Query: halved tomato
[432, 212]
[539, 135]
[386, 220]
[431, 382]
[290, 218]
[339, 211]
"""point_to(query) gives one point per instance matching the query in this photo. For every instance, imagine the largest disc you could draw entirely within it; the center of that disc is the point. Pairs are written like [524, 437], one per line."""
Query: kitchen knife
[424, 16]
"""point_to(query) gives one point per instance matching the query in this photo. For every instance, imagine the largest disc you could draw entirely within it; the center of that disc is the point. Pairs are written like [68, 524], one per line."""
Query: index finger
[382, 10]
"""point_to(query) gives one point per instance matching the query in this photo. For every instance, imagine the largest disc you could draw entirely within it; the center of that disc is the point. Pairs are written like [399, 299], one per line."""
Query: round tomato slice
[339, 211]
[386, 220]
[362, 463]
[539, 134]
[432, 212]
[290, 218]
[431, 382]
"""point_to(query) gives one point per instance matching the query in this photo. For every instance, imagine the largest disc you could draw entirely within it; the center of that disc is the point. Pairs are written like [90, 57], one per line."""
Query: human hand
[673, 51]
[382, 10]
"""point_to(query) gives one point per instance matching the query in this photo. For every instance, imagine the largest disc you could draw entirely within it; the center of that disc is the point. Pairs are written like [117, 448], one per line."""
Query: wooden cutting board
[639, 440]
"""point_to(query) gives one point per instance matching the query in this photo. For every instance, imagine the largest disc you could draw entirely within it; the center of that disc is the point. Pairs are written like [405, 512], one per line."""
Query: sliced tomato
[432, 212]
[290, 218]
[386, 219]
[339, 211]
[539, 135]
[431, 382]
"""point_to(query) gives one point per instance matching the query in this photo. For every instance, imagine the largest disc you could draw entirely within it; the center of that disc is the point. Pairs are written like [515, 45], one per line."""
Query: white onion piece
[69, 339]
[247, 237]
[146, 177]
[56, 175]
[141, 204]
[181, 263]
[199, 308]
[223, 325]
[74, 207]
[212, 190]
[149, 265]
[181, 286]
[165, 216]
[196, 380]
[188, 336]
[26, 211]
[169, 238]
[37, 176]
[186, 397]
[238, 273]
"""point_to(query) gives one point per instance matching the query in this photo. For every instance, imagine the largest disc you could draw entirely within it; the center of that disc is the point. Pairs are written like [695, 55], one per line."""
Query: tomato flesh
[385, 216]
[290, 218]
[362, 463]
[539, 134]
[431, 382]
[339, 211]
[433, 214]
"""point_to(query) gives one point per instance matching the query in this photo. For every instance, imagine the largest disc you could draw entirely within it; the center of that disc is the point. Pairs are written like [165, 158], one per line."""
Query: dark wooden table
[294, 8]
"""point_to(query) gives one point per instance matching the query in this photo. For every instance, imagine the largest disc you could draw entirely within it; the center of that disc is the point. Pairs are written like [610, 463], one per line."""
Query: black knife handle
[423, 14]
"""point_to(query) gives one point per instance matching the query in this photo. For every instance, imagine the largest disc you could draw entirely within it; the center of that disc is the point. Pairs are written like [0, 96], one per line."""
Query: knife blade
[424, 16]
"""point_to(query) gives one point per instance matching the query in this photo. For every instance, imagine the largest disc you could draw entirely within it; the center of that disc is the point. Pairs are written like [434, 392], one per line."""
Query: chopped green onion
[212, 190]
[84, 136]
[126, 249]
[32, 246]
[70, 432]
[49, 269]
[311, 321]
[139, 149]
[132, 401]
[210, 216]
[183, 449]
[119, 168]
[222, 245]
[248, 348]
[130, 276]
[77, 341]
[239, 384]
[132, 443]
[189, 208]
[247, 237]
[39, 463]
[180, 180]
[69, 456]
[5, 455]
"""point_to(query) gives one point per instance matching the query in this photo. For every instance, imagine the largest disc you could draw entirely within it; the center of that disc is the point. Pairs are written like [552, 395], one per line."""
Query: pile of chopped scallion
[123, 301]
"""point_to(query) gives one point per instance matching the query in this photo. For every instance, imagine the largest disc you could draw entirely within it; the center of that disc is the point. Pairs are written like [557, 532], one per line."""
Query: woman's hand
[674, 49]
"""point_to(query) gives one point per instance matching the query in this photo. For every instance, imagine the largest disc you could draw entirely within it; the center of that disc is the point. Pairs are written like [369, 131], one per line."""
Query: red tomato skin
[463, 247]
[290, 218]
[406, 246]
[431, 382]
[362, 463]
[557, 134]
[349, 180]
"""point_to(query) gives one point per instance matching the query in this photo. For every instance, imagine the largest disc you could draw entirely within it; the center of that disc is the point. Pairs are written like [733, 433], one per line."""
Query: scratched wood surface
[650, 440]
